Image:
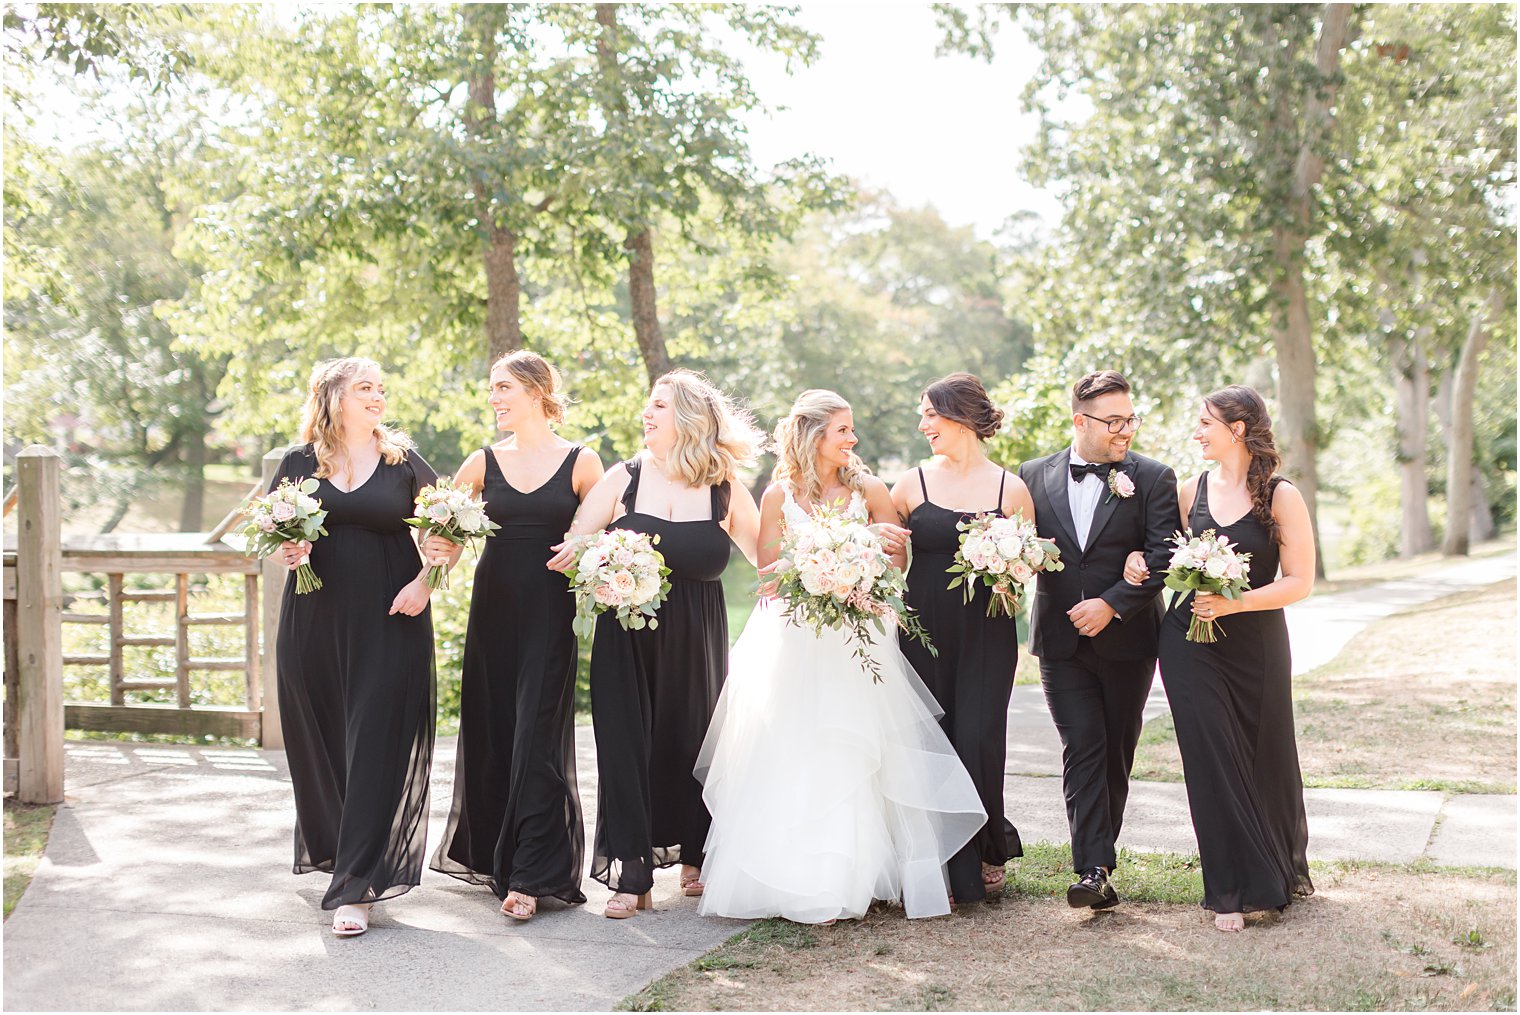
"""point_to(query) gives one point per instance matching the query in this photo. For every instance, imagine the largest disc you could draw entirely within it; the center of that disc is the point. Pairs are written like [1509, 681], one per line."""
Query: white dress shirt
[1083, 497]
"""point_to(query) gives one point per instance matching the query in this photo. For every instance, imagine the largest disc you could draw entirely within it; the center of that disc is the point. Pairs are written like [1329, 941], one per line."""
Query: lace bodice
[797, 518]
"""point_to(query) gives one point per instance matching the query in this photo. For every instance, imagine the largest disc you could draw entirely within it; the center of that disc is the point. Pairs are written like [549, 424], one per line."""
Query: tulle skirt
[827, 790]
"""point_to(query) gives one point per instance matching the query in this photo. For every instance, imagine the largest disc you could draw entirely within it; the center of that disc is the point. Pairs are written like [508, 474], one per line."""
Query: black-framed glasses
[1116, 425]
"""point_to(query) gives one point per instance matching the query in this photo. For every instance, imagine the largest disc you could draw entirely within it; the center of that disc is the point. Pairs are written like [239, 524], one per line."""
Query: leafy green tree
[1192, 186]
[92, 234]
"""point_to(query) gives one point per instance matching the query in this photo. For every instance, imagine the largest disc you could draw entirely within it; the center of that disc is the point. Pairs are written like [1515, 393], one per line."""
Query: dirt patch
[1370, 939]
[1419, 700]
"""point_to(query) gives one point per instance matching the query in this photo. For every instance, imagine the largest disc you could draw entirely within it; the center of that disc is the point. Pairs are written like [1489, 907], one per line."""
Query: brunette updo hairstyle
[534, 373]
[1240, 404]
[961, 397]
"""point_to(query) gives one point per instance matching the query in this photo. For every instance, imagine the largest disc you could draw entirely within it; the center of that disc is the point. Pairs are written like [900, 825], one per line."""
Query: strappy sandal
[691, 884]
[515, 900]
[617, 909]
[994, 877]
[351, 921]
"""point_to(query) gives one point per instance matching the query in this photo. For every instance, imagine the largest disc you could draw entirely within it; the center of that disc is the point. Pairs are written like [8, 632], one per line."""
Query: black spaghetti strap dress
[971, 678]
[356, 689]
[652, 695]
[1232, 703]
[516, 820]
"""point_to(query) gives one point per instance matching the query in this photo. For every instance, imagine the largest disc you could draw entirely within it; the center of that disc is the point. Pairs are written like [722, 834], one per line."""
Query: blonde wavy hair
[714, 437]
[322, 426]
[535, 374]
[797, 438]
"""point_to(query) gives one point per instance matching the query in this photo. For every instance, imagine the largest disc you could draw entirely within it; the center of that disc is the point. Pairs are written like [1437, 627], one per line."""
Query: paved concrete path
[166, 886]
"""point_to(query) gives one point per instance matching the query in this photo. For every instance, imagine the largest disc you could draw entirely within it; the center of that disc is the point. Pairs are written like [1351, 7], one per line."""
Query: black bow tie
[1078, 472]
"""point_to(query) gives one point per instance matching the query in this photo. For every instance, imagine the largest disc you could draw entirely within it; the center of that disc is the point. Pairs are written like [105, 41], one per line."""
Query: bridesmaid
[653, 691]
[356, 657]
[516, 821]
[1232, 700]
[972, 677]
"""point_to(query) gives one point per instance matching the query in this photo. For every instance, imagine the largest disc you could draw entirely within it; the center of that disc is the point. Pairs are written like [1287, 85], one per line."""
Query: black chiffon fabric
[652, 695]
[1232, 705]
[971, 678]
[515, 824]
[356, 689]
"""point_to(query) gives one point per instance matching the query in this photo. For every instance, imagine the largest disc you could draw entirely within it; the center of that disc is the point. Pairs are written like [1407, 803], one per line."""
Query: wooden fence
[36, 713]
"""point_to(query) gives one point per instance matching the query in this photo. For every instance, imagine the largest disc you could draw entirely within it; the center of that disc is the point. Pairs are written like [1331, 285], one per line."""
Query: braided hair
[1236, 404]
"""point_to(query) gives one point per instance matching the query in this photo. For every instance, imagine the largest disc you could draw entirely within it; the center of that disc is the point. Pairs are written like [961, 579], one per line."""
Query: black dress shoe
[1092, 890]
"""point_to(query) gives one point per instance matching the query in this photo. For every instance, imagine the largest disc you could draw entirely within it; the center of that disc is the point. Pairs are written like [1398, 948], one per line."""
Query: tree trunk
[641, 295]
[192, 507]
[640, 239]
[1292, 335]
[1483, 528]
[1411, 378]
[503, 294]
[1459, 452]
[498, 244]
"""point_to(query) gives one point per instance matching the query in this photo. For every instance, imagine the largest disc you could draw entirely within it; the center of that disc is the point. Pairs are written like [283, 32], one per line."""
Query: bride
[827, 790]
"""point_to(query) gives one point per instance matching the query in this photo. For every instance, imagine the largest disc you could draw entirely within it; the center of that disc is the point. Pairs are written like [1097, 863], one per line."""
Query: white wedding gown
[827, 790]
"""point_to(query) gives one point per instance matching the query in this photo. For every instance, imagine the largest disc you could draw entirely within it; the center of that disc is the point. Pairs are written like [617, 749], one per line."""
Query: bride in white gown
[827, 790]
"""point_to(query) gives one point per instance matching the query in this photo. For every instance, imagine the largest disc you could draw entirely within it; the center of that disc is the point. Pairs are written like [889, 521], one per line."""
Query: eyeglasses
[1116, 425]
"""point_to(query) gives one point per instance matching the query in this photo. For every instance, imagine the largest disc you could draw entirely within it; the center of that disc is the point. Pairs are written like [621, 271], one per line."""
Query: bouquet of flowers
[834, 574]
[1206, 563]
[1003, 554]
[287, 514]
[454, 513]
[618, 570]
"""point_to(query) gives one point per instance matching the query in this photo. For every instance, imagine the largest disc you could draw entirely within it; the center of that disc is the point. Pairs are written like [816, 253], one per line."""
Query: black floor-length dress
[1232, 704]
[971, 678]
[356, 689]
[516, 820]
[652, 695]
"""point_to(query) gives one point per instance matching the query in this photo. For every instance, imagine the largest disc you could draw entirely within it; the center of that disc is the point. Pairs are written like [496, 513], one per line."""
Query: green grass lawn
[26, 832]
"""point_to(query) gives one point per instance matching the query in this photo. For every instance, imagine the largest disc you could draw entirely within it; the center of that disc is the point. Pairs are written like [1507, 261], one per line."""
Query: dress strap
[721, 493]
[492, 465]
[569, 461]
[1200, 503]
[1002, 478]
[922, 485]
[631, 491]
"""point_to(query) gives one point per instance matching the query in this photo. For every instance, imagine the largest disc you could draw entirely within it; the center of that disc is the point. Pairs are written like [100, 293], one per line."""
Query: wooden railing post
[39, 627]
[272, 582]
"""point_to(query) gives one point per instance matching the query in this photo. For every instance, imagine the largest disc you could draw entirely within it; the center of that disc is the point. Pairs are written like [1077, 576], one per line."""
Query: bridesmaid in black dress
[972, 676]
[355, 657]
[1232, 700]
[515, 825]
[653, 691]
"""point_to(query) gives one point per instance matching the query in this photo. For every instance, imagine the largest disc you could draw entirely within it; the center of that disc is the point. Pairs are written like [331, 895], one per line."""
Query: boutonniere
[1119, 485]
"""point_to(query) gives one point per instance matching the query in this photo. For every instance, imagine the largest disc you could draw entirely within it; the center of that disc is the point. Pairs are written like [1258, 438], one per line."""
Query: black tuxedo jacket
[1144, 522]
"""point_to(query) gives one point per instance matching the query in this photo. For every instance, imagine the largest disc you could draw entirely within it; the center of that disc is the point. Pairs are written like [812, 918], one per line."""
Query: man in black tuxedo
[1094, 633]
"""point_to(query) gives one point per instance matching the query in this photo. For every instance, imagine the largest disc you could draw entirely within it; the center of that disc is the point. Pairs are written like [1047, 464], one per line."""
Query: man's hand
[1090, 616]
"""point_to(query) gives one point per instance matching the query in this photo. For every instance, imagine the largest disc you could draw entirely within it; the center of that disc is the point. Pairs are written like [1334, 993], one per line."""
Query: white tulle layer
[827, 790]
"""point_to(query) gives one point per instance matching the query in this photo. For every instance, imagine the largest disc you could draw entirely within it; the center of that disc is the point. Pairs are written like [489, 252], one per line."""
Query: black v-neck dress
[516, 820]
[356, 690]
[652, 695]
[1232, 704]
[971, 678]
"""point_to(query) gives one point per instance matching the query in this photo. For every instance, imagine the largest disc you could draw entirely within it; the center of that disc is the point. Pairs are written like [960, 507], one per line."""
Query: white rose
[1215, 567]
[850, 572]
[1009, 547]
[622, 556]
[647, 588]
